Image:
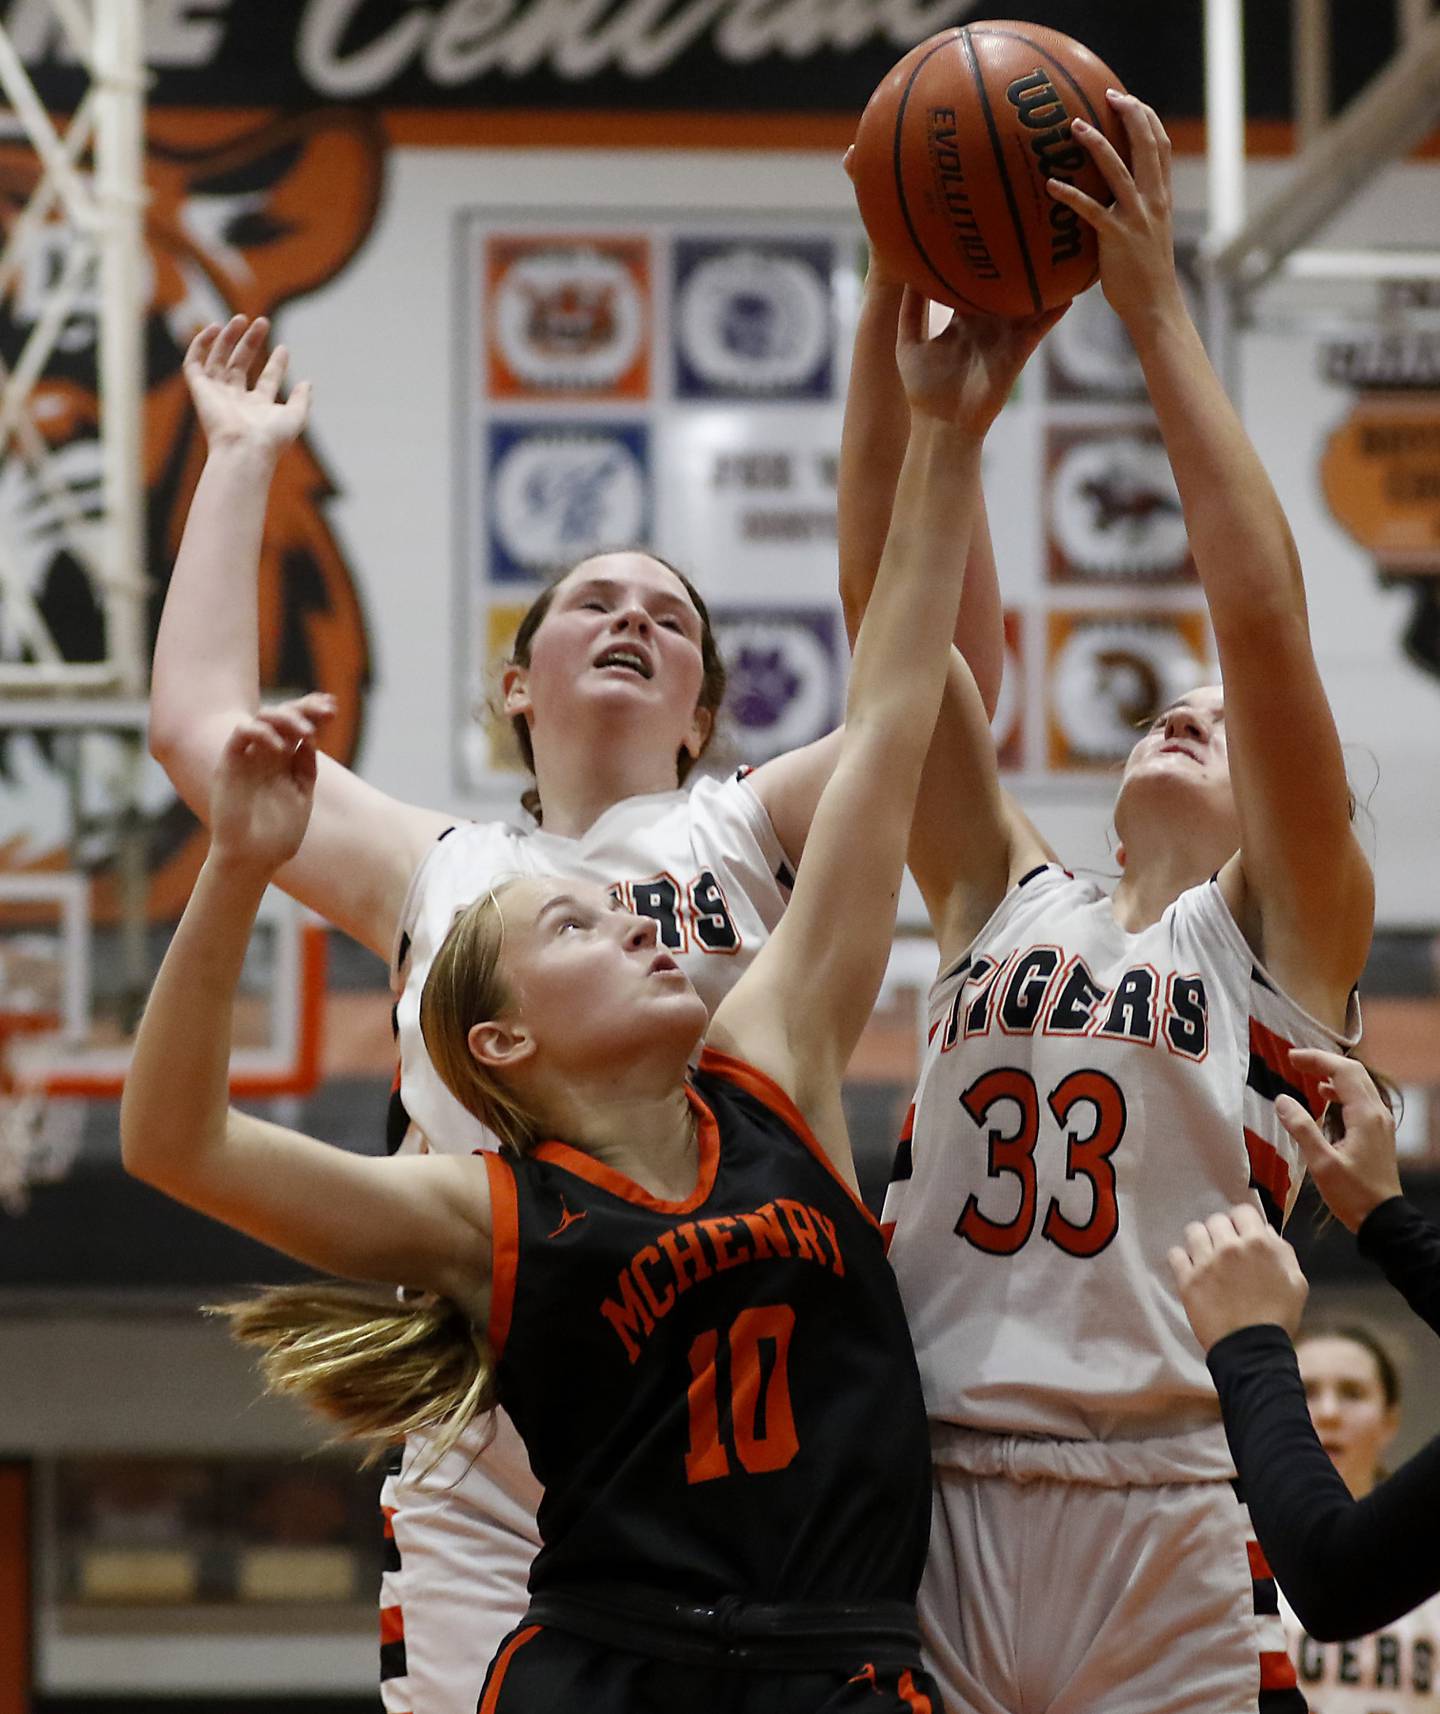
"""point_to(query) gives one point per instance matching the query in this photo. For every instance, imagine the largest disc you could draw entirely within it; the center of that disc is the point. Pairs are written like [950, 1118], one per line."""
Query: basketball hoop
[40, 1137]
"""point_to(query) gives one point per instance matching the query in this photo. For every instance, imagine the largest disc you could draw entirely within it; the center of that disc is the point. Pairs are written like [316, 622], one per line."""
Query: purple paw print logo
[785, 678]
[765, 684]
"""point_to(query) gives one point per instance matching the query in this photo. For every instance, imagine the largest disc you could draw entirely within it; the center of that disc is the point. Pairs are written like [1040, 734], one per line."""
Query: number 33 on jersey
[1084, 1093]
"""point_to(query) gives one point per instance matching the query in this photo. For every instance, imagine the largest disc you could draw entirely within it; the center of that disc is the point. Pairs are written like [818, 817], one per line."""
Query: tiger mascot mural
[246, 215]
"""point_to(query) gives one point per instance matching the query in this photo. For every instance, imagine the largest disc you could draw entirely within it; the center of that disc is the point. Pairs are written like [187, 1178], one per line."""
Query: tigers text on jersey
[1084, 1093]
[718, 1394]
[1395, 1671]
[704, 863]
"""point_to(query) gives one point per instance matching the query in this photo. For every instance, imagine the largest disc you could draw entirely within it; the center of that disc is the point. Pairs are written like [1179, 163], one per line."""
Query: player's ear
[702, 723]
[500, 1044]
[515, 690]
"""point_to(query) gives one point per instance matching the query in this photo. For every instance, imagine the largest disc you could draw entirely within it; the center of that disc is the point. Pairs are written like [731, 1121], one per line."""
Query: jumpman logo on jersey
[567, 1218]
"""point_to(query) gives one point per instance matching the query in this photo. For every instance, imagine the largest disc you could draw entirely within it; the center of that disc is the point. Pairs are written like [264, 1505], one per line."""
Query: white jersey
[1395, 1671]
[704, 862]
[1084, 1093]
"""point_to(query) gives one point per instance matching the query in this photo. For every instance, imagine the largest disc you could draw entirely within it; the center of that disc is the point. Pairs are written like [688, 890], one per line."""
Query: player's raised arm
[1302, 887]
[800, 1009]
[872, 450]
[419, 1221]
[967, 841]
[362, 846]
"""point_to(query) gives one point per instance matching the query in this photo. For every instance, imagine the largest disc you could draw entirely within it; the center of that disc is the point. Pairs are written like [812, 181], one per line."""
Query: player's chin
[676, 1007]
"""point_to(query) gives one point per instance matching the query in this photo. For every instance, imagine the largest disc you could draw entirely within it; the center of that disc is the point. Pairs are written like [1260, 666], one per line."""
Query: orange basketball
[952, 156]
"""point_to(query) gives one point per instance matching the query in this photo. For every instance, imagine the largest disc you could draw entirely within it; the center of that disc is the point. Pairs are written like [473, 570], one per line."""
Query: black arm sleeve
[1403, 1242]
[1347, 1566]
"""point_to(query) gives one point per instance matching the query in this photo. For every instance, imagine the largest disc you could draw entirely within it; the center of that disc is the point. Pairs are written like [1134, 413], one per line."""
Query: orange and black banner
[778, 56]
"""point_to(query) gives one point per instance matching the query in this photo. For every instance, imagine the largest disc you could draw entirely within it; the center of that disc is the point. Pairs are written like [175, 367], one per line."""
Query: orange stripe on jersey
[388, 1527]
[887, 1232]
[1275, 1051]
[769, 1094]
[911, 1697]
[505, 1245]
[1259, 1565]
[1268, 1168]
[392, 1625]
[491, 1699]
[1277, 1670]
[907, 1130]
[606, 1178]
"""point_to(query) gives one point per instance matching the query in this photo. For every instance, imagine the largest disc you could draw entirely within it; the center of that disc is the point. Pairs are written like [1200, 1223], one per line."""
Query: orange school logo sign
[243, 215]
[1380, 469]
[1381, 475]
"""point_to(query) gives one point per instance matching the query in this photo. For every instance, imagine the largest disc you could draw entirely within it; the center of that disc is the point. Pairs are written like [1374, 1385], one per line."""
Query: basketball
[951, 159]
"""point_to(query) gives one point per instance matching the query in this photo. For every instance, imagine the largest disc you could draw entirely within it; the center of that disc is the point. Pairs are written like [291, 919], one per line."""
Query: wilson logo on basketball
[952, 160]
[1040, 109]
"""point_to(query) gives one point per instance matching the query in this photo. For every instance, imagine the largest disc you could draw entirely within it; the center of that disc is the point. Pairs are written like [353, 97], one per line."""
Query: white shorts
[459, 1542]
[1076, 1599]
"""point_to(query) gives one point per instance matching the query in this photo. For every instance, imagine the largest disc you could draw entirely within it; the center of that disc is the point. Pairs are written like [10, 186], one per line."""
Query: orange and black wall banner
[790, 57]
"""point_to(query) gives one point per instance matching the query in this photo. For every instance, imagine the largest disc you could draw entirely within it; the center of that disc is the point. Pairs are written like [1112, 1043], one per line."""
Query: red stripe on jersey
[388, 1529]
[395, 1080]
[1268, 1168]
[912, 1698]
[1277, 1670]
[1275, 1051]
[887, 1232]
[505, 1248]
[930, 1036]
[491, 1699]
[392, 1625]
[1259, 1565]
[907, 1130]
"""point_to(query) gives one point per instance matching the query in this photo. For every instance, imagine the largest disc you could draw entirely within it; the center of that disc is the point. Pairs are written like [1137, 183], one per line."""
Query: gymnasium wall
[352, 194]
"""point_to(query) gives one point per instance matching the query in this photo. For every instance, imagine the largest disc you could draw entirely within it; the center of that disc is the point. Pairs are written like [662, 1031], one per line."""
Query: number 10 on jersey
[755, 1360]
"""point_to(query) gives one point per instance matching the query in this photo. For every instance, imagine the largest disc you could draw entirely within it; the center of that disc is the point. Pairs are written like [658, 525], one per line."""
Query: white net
[40, 1135]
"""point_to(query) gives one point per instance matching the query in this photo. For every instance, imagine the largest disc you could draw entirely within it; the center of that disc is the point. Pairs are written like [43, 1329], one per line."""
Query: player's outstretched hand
[965, 373]
[1136, 232]
[1359, 1172]
[1235, 1271]
[265, 784]
[234, 408]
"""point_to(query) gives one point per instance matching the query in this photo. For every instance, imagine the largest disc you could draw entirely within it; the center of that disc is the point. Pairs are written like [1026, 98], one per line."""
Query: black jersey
[719, 1395]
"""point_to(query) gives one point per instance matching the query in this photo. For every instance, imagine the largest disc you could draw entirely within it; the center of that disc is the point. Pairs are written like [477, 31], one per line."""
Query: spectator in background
[1349, 1563]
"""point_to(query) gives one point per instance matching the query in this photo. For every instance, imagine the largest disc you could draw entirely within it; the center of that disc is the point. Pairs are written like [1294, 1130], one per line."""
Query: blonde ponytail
[377, 1367]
